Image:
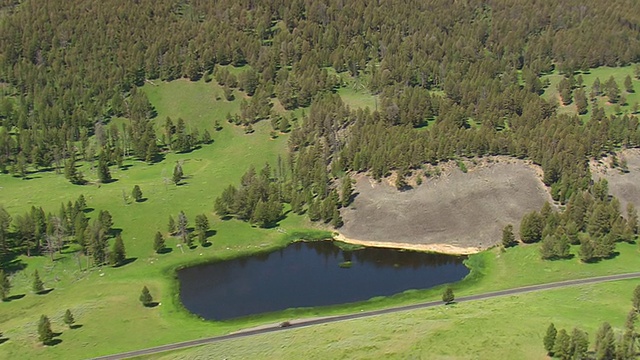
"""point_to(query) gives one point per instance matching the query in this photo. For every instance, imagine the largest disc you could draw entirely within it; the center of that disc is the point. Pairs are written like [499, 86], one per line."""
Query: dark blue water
[309, 275]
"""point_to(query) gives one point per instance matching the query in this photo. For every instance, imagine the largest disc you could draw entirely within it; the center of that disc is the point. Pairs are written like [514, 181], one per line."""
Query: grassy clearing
[513, 328]
[199, 103]
[358, 98]
[603, 73]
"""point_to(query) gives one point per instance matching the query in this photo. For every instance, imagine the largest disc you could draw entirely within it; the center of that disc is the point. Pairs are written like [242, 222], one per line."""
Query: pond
[310, 274]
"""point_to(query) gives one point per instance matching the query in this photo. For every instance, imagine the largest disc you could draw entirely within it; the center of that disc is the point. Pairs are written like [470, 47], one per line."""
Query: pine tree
[183, 223]
[72, 173]
[632, 219]
[447, 296]
[104, 175]
[158, 242]
[202, 225]
[579, 344]
[37, 285]
[145, 297]
[587, 250]
[5, 285]
[627, 346]
[628, 84]
[336, 219]
[605, 346]
[531, 227]
[562, 345]
[44, 330]
[635, 301]
[118, 255]
[171, 227]
[68, 318]
[508, 238]
[550, 339]
[346, 191]
[136, 193]
[177, 173]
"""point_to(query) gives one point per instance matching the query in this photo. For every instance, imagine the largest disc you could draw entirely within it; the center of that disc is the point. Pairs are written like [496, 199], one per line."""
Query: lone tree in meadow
[508, 238]
[118, 255]
[177, 173]
[158, 242]
[448, 297]
[550, 339]
[5, 285]
[38, 285]
[145, 297]
[44, 330]
[68, 318]
[136, 193]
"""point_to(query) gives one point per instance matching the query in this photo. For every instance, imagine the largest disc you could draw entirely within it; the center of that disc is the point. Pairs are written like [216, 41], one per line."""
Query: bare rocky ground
[455, 212]
[624, 186]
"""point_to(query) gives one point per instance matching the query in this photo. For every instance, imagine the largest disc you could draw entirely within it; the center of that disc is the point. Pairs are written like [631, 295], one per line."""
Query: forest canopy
[68, 67]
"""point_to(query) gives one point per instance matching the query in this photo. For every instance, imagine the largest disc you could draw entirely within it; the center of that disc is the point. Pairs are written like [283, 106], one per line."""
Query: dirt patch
[456, 212]
[623, 185]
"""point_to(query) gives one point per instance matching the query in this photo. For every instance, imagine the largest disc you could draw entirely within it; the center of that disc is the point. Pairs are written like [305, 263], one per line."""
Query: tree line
[68, 68]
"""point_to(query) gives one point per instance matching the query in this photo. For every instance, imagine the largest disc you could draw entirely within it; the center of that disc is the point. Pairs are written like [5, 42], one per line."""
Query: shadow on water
[309, 275]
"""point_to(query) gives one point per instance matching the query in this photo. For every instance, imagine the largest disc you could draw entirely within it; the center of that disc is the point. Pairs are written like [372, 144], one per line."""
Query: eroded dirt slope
[464, 211]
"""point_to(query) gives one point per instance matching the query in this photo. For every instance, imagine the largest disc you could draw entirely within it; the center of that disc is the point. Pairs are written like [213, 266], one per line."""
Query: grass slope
[512, 328]
[602, 73]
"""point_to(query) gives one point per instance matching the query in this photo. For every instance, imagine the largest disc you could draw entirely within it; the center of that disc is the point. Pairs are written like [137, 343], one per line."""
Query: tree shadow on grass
[226, 217]
[44, 292]
[152, 304]
[207, 244]
[88, 210]
[3, 340]
[14, 297]
[53, 342]
[210, 233]
[126, 262]
[115, 232]
[142, 200]
[613, 255]
[165, 250]
[11, 264]
[75, 326]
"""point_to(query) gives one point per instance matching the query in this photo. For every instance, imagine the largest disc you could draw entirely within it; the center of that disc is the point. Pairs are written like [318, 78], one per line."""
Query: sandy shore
[437, 248]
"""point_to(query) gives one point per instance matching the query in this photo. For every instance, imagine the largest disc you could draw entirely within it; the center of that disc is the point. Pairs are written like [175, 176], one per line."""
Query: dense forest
[454, 79]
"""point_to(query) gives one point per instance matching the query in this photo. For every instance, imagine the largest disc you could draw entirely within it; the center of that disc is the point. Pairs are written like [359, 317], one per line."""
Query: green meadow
[602, 73]
[510, 327]
[105, 302]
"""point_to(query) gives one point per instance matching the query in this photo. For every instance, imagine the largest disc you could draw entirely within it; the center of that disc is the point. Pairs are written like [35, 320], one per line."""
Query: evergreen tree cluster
[37, 233]
[259, 198]
[608, 345]
[592, 219]
[81, 64]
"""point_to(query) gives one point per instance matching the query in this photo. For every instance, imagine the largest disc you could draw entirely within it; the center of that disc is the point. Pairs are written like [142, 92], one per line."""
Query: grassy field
[105, 300]
[602, 73]
[503, 328]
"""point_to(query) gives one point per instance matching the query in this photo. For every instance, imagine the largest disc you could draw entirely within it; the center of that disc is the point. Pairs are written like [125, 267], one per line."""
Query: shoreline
[446, 249]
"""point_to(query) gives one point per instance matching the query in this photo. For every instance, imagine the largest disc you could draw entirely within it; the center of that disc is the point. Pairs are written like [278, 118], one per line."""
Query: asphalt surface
[325, 320]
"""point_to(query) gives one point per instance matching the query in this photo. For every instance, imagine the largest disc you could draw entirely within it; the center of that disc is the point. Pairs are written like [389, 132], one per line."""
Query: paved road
[304, 323]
